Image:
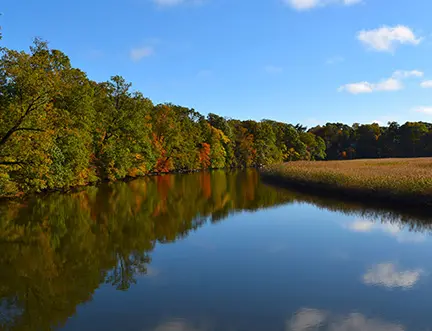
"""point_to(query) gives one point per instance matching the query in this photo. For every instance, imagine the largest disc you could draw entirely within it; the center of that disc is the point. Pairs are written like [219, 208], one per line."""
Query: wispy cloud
[423, 109]
[272, 69]
[311, 4]
[387, 39]
[137, 54]
[401, 74]
[426, 84]
[394, 83]
[390, 84]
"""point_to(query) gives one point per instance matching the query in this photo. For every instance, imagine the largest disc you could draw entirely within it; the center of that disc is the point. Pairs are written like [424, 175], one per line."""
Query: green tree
[123, 130]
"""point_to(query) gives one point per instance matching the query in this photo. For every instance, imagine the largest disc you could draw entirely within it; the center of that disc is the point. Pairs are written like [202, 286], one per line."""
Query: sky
[295, 61]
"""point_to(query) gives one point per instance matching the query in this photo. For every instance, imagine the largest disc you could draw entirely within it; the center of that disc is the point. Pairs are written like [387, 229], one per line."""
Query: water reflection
[391, 276]
[180, 324]
[314, 320]
[57, 250]
[394, 229]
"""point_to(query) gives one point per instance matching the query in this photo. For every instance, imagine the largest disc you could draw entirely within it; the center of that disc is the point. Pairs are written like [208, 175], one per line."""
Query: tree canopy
[59, 129]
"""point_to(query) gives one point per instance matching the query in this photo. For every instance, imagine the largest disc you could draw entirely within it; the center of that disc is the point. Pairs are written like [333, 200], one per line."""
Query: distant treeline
[58, 129]
[413, 139]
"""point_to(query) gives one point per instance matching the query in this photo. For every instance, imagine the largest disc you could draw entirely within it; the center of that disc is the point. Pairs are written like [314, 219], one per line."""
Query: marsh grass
[398, 180]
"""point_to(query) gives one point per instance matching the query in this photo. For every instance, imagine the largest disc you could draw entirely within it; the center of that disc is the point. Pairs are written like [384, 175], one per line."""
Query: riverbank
[98, 182]
[389, 181]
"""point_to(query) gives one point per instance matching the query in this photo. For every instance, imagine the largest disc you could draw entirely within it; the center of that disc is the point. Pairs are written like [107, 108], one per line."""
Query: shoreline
[348, 204]
[371, 196]
[349, 195]
[99, 182]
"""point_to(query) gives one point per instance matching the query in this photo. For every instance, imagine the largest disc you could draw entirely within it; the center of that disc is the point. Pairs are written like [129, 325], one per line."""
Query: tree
[41, 97]
[123, 132]
[411, 135]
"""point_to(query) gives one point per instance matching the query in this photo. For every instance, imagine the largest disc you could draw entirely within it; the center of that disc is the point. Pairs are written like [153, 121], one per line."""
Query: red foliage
[204, 155]
[163, 163]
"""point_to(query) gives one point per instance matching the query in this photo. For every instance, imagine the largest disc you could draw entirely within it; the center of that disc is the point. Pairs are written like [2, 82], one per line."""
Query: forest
[59, 129]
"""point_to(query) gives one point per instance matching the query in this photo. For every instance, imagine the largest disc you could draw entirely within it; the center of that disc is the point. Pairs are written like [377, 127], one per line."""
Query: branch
[21, 119]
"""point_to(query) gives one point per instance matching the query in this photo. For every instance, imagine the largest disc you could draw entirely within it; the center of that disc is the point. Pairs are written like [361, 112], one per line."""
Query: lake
[211, 251]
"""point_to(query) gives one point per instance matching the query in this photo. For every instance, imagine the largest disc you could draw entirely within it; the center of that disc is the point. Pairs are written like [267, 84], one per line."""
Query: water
[211, 252]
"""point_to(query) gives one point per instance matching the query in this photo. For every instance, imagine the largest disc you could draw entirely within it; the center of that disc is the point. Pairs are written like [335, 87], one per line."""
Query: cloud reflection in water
[313, 320]
[388, 275]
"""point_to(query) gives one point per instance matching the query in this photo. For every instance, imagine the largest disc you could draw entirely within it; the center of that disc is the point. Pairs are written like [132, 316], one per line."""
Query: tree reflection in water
[57, 250]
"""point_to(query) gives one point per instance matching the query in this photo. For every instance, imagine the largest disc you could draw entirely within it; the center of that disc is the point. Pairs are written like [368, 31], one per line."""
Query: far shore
[406, 182]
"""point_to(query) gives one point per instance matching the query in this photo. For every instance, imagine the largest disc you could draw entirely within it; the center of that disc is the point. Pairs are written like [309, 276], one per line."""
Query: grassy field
[406, 181]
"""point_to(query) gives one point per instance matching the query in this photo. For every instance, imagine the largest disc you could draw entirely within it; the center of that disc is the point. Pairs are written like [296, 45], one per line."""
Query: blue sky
[308, 61]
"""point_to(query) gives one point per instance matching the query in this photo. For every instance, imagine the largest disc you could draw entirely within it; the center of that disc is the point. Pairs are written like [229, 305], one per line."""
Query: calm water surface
[211, 252]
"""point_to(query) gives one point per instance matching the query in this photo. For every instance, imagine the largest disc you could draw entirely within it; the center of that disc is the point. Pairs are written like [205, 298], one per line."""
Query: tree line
[412, 139]
[59, 129]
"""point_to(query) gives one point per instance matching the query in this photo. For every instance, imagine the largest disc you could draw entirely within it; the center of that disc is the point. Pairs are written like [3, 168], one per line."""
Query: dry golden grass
[395, 179]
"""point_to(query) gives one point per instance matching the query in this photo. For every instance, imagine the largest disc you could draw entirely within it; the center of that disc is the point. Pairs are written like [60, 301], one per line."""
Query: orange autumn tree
[165, 137]
[204, 156]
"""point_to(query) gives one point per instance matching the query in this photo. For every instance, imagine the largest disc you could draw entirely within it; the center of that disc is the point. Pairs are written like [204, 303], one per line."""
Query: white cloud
[426, 84]
[394, 83]
[271, 69]
[386, 39]
[388, 275]
[357, 88]
[423, 109]
[391, 84]
[310, 4]
[313, 319]
[407, 73]
[137, 54]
